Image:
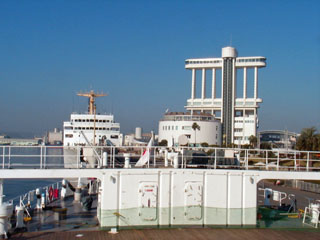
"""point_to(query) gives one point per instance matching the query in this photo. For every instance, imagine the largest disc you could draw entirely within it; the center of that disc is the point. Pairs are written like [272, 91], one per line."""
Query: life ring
[50, 193]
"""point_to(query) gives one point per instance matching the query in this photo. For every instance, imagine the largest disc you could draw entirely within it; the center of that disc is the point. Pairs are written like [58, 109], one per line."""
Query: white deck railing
[57, 157]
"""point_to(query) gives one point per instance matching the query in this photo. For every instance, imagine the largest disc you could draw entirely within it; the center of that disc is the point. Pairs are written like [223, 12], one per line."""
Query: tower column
[203, 92]
[234, 93]
[255, 121]
[244, 83]
[256, 82]
[193, 84]
[213, 95]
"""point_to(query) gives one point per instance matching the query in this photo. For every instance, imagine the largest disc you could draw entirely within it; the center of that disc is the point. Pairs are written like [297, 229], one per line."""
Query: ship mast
[92, 108]
[91, 95]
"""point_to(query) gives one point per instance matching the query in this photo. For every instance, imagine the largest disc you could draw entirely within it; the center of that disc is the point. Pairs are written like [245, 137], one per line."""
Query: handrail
[19, 157]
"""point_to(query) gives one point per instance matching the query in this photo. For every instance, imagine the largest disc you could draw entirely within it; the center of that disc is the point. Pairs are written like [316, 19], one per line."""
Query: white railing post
[3, 152]
[113, 156]
[247, 159]
[215, 158]
[308, 158]
[78, 157]
[111, 151]
[148, 160]
[295, 161]
[9, 160]
[41, 160]
[278, 160]
[267, 168]
[45, 155]
[104, 160]
[154, 157]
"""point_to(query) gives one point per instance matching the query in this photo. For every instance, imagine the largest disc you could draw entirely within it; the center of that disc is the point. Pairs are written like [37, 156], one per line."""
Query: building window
[176, 127]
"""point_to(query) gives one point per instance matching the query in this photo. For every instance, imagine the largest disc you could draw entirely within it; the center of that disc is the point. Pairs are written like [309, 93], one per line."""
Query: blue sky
[135, 52]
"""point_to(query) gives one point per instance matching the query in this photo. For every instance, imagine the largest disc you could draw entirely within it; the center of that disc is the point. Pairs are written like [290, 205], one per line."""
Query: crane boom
[91, 95]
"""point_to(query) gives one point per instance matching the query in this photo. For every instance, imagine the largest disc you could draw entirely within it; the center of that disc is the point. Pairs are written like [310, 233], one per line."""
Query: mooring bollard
[38, 195]
[64, 189]
[19, 214]
[176, 161]
[166, 158]
[126, 160]
[43, 200]
[77, 192]
[105, 159]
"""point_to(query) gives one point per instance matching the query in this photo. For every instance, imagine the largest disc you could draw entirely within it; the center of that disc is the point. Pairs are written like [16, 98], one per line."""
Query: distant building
[279, 139]
[178, 125]
[138, 138]
[20, 141]
[238, 114]
[55, 137]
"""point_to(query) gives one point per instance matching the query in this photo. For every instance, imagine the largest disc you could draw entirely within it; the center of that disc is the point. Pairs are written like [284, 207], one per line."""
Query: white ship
[85, 130]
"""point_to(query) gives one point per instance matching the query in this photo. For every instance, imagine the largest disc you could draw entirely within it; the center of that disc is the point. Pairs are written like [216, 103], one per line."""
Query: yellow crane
[92, 107]
[91, 95]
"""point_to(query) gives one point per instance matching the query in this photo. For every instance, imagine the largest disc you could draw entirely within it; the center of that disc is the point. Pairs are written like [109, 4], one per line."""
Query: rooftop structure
[238, 115]
[176, 129]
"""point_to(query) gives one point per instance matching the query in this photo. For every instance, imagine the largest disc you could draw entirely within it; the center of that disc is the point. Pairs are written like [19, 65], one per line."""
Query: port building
[176, 129]
[279, 139]
[238, 114]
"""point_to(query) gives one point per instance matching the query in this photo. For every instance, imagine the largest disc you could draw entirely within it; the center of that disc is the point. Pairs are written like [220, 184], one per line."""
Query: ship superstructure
[91, 128]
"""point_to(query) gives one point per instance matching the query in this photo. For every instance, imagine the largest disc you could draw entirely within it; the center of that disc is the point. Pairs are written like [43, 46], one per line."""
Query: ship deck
[82, 224]
[178, 233]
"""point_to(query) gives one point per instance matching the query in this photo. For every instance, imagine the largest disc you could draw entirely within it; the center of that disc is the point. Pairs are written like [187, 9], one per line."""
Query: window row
[246, 121]
[241, 138]
[112, 136]
[91, 128]
[252, 60]
[165, 128]
[91, 120]
[208, 61]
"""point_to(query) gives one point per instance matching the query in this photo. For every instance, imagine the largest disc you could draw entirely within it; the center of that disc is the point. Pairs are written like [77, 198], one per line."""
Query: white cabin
[81, 128]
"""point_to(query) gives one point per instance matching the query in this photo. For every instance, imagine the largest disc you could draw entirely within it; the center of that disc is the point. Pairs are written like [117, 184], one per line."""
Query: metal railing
[29, 198]
[57, 157]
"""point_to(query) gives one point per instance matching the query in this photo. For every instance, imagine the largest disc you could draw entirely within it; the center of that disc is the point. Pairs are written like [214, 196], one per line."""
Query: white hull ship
[86, 130]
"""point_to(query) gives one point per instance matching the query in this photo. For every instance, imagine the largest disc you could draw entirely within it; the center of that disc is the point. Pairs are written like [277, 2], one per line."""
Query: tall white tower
[238, 115]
